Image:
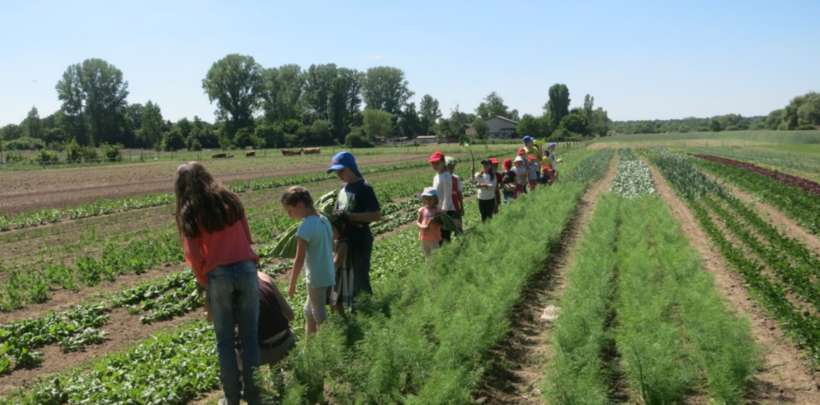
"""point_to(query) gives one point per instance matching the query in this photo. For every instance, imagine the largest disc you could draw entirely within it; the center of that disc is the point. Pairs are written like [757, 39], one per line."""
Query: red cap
[437, 156]
[507, 163]
[531, 158]
[493, 160]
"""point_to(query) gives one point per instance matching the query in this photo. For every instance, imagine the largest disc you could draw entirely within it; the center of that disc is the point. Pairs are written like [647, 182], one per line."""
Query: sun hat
[437, 156]
[527, 139]
[493, 160]
[518, 159]
[450, 161]
[552, 145]
[429, 192]
[344, 159]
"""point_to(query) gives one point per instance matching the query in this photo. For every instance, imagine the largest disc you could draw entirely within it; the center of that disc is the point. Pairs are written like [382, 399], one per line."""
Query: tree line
[802, 113]
[280, 106]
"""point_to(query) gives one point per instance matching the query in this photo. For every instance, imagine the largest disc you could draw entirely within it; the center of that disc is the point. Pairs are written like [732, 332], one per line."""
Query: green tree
[589, 104]
[271, 135]
[558, 105]
[319, 81]
[344, 102]
[481, 128]
[533, 126]
[377, 123]
[32, 126]
[235, 82]
[493, 105]
[94, 92]
[575, 122]
[150, 133]
[429, 114]
[409, 122]
[173, 139]
[385, 89]
[715, 125]
[598, 122]
[282, 93]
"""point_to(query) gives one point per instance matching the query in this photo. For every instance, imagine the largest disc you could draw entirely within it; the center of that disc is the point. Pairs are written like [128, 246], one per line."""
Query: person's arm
[420, 221]
[298, 263]
[194, 257]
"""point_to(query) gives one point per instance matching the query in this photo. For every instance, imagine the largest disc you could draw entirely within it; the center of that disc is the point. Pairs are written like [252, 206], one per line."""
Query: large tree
[93, 92]
[235, 82]
[282, 93]
[558, 105]
[344, 102]
[409, 122]
[32, 125]
[385, 89]
[318, 88]
[429, 113]
[377, 123]
[493, 105]
[152, 126]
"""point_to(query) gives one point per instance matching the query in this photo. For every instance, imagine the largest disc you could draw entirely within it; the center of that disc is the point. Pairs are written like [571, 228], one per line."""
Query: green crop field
[618, 283]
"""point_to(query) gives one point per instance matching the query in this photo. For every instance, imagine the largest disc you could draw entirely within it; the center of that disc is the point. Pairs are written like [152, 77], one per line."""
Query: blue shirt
[316, 231]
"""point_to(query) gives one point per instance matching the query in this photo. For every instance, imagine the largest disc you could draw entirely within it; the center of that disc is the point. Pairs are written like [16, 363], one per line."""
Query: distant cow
[219, 156]
[250, 153]
[311, 151]
[288, 152]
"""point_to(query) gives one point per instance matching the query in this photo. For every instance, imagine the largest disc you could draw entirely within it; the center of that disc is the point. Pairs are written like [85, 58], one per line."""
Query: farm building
[501, 127]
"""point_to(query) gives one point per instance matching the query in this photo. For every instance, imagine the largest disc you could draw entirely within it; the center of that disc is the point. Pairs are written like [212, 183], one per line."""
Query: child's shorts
[315, 304]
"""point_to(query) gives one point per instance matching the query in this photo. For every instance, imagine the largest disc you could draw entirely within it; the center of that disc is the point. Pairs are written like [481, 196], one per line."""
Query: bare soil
[785, 375]
[517, 369]
[54, 188]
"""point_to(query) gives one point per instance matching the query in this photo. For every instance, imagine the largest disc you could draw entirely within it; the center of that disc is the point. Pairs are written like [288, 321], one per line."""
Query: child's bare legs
[315, 312]
[427, 246]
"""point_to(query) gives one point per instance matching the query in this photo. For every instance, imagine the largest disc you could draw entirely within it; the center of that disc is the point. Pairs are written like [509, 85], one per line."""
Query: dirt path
[122, 331]
[784, 377]
[771, 214]
[516, 373]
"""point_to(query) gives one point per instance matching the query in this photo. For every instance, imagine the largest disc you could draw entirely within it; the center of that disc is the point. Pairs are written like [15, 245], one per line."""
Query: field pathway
[785, 375]
[517, 371]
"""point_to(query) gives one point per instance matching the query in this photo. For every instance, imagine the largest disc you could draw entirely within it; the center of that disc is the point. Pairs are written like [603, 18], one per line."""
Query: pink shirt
[208, 251]
[433, 230]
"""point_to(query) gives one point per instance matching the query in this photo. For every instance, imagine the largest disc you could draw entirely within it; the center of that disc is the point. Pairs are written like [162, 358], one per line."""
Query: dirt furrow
[784, 377]
[519, 362]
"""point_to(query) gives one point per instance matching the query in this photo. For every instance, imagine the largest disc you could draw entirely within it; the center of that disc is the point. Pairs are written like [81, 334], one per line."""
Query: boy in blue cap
[357, 204]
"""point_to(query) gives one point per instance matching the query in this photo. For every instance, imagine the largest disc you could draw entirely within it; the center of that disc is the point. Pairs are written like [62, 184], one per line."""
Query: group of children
[530, 167]
[244, 304]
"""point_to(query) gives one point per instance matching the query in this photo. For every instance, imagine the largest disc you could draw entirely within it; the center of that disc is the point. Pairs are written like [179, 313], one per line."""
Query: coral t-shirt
[208, 251]
[433, 230]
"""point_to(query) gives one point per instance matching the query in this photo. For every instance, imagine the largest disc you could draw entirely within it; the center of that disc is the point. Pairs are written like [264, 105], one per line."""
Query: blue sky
[639, 60]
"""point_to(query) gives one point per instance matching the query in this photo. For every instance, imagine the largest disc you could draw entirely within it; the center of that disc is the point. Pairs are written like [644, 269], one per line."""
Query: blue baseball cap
[527, 139]
[341, 160]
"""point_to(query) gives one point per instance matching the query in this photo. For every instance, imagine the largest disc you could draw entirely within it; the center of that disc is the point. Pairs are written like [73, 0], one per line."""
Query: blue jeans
[233, 295]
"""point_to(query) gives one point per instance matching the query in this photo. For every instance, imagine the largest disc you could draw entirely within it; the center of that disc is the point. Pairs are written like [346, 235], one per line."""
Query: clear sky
[640, 60]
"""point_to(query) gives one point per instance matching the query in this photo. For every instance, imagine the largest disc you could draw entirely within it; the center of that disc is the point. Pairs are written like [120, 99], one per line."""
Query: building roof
[504, 119]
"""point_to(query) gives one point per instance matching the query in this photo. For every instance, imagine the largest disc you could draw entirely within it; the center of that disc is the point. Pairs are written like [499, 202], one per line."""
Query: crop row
[147, 363]
[117, 205]
[424, 336]
[794, 202]
[33, 285]
[784, 256]
[633, 178]
[158, 300]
